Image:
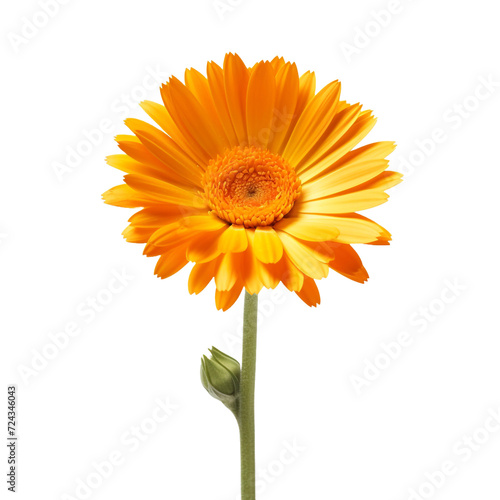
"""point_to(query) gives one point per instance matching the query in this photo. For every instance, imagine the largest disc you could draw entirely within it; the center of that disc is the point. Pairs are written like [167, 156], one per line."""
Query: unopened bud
[220, 376]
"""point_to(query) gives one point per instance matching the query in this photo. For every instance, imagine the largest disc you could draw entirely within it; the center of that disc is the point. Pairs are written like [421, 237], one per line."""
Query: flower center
[250, 186]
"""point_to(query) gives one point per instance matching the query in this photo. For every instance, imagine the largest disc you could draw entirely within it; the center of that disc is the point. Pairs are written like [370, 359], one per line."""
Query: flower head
[252, 176]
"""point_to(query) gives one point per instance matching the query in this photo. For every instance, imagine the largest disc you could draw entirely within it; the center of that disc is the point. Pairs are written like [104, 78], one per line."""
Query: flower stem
[246, 419]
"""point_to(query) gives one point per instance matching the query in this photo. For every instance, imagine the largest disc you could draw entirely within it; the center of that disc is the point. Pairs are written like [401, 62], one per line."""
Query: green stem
[246, 419]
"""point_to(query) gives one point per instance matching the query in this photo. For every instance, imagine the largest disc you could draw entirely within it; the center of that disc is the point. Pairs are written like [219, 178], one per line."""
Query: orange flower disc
[250, 186]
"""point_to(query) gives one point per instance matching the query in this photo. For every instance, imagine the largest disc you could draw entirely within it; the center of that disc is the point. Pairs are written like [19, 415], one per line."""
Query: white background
[60, 245]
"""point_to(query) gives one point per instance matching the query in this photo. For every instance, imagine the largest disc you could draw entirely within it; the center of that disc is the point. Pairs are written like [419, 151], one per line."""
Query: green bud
[220, 376]
[227, 361]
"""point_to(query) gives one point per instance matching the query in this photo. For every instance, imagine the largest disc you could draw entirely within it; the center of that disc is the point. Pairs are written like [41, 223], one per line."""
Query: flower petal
[260, 104]
[310, 229]
[352, 228]
[381, 182]
[302, 257]
[307, 88]
[128, 165]
[201, 275]
[344, 203]
[343, 179]
[292, 278]
[234, 239]
[277, 63]
[164, 191]
[267, 246]
[125, 196]
[200, 88]
[160, 215]
[205, 246]
[192, 119]
[351, 161]
[133, 147]
[175, 163]
[182, 135]
[227, 271]
[348, 263]
[236, 76]
[312, 123]
[134, 234]
[339, 125]
[215, 76]
[287, 93]
[204, 223]
[356, 133]
[225, 299]
[286, 272]
[171, 262]
[176, 239]
[385, 180]
[159, 113]
[249, 267]
[309, 292]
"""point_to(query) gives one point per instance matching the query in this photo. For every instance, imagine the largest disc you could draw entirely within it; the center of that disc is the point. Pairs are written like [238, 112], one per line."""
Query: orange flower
[253, 177]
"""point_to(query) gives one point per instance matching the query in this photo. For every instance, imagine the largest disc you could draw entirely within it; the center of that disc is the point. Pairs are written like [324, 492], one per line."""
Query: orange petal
[234, 239]
[133, 147]
[236, 76]
[260, 105]
[267, 246]
[205, 246]
[164, 192]
[356, 133]
[343, 203]
[161, 116]
[267, 275]
[137, 234]
[174, 161]
[226, 274]
[182, 132]
[277, 63]
[381, 182]
[192, 119]
[310, 229]
[161, 215]
[312, 123]
[225, 299]
[291, 277]
[125, 196]
[195, 224]
[200, 88]
[171, 262]
[339, 125]
[179, 238]
[287, 92]
[352, 228]
[215, 77]
[348, 263]
[309, 293]
[307, 88]
[128, 165]
[302, 257]
[249, 267]
[201, 275]
[384, 236]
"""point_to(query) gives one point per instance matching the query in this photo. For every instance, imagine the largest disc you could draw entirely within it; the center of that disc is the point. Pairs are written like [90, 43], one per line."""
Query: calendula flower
[252, 176]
